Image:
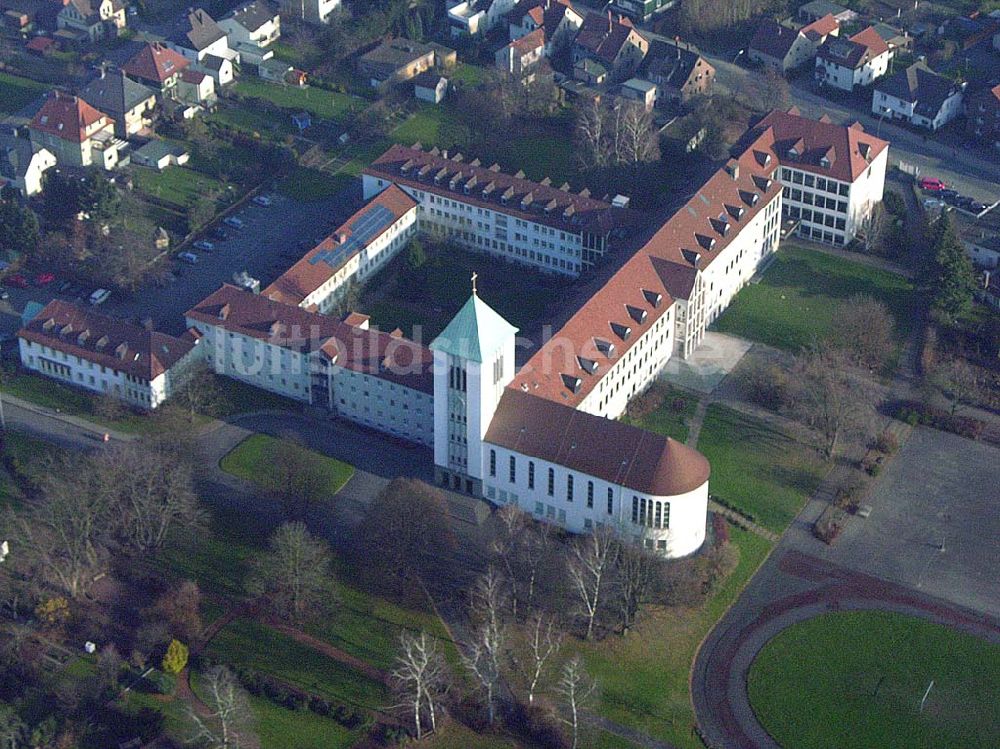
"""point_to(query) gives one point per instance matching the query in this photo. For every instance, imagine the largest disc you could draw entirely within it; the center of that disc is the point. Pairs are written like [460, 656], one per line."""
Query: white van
[99, 297]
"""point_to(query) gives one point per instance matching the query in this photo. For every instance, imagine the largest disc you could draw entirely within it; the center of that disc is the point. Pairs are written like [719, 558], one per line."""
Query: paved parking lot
[935, 524]
[272, 238]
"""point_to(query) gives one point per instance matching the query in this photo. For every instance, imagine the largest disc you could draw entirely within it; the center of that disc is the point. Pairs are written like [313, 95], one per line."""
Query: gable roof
[855, 52]
[253, 15]
[475, 333]
[547, 14]
[66, 117]
[529, 42]
[604, 36]
[155, 62]
[920, 85]
[673, 62]
[604, 448]
[107, 341]
[773, 39]
[312, 271]
[821, 27]
[115, 93]
[15, 156]
[89, 11]
[199, 31]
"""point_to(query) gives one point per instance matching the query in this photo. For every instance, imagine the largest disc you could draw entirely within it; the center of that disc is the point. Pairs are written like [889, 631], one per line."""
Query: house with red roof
[156, 65]
[75, 132]
[522, 55]
[848, 63]
[558, 20]
[611, 42]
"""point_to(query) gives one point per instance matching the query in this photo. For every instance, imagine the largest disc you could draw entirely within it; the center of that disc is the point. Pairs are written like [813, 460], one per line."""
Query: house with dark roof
[642, 11]
[678, 70]
[91, 20]
[252, 28]
[784, 48]
[919, 96]
[816, 9]
[848, 63]
[75, 345]
[401, 60]
[982, 117]
[76, 133]
[611, 41]
[129, 103]
[558, 20]
[310, 11]
[203, 42]
[157, 66]
[430, 87]
[22, 166]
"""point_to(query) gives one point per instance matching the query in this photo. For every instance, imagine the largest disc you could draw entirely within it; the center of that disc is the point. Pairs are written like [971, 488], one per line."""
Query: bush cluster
[914, 413]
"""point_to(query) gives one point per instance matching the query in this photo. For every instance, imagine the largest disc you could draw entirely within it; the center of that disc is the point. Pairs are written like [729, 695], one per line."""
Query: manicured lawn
[432, 125]
[467, 74]
[643, 678]
[252, 121]
[756, 468]
[253, 645]
[250, 460]
[855, 680]
[672, 418]
[16, 92]
[237, 397]
[305, 184]
[327, 105]
[176, 184]
[794, 303]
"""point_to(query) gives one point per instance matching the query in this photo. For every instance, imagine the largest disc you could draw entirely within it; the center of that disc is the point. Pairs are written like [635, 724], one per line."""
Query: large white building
[833, 175]
[106, 355]
[849, 63]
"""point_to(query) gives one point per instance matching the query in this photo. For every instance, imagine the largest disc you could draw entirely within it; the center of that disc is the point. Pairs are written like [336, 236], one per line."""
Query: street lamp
[738, 55]
[878, 130]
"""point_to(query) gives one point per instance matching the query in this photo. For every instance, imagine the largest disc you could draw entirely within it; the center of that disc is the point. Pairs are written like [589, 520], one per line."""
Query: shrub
[53, 612]
[913, 413]
[887, 442]
[162, 683]
[176, 657]
[645, 404]
[720, 529]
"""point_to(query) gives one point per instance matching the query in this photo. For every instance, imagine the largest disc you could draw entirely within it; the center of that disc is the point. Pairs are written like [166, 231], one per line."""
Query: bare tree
[420, 678]
[230, 724]
[872, 227]
[635, 575]
[591, 134]
[590, 561]
[576, 689]
[766, 90]
[489, 597]
[637, 142]
[200, 392]
[959, 382]
[295, 573]
[863, 329]
[509, 527]
[301, 478]
[483, 656]
[543, 641]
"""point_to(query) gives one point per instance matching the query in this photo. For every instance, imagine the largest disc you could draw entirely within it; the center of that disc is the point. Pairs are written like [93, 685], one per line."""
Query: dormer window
[572, 383]
[82, 338]
[824, 162]
[636, 313]
[622, 331]
[605, 347]
[48, 324]
[654, 298]
[587, 365]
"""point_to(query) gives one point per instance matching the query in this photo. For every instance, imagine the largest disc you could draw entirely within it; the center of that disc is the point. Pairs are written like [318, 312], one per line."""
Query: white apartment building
[376, 379]
[919, 96]
[848, 63]
[532, 223]
[105, 355]
[832, 175]
[352, 253]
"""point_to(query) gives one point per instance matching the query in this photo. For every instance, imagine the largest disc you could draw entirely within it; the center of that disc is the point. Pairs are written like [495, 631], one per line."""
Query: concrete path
[743, 520]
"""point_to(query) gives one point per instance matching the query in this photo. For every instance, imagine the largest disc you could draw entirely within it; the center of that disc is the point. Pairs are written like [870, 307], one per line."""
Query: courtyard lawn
[794, 303]
[432, 125]
[326, 105]
[16, 93]
[756, 468]
[177, 185]
[467, 74]
[855, 680]
[673, 416]
[643, 677]
[249, 461]
[250, 644]
[305, 184]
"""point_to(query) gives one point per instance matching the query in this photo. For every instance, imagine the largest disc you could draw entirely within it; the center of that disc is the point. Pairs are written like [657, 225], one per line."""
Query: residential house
[968, 31]
[252, 28]
[40, 46]
[129, 103]
[159, 154]
[848, 63]
[107, 355]
[592, 73]
[202, 41]
[22, 166]
[196, 88]
[430, 87]
[817, 9]
[92, 20]
[784, 49]
[475, 17]
[643, 93]
[641, 11]
[678, 70]
[558, 19]
[832, 175]
[76, 133]
[311, 11]
[982, 246]
[612, 42]
[919, 96]
[401, 60]
[522, 55]
[982, 113]
[895, 38]
[157, 66]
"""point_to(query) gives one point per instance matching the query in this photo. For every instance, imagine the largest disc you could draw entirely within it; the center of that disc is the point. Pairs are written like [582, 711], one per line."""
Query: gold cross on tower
[474, 277]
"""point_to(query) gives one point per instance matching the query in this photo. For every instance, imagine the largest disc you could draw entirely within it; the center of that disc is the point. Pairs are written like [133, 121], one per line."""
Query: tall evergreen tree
[952, 277]
[18, 225]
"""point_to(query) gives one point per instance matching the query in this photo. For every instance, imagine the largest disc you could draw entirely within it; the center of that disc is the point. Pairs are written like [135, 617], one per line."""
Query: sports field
[856, 680]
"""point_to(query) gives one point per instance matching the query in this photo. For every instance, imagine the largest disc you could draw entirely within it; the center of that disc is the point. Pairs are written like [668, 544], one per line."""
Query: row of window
[795, 177]
[650, 513]
[551, 481]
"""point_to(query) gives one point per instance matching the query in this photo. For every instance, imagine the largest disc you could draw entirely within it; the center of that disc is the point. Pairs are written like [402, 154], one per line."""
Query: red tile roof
[370, 352]
[155, 62]
[308, 274]
[106, 341]
[844, 147]
[68, 117]
[603, 36]
[606, 449]
[871, 39]
[547, 14]
[529, 42]
[40, 44]
[821, 27]
[855, 52]
[662, 270]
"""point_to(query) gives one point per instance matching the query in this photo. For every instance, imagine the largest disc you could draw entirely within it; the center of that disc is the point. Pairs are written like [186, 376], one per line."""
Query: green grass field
[326, 105]
[250, 461]
[644, 677]
[305, 184]
[16, 92]
[795, 301]
[672, 418]
[854, 680]
[756, 468]
[178, 185]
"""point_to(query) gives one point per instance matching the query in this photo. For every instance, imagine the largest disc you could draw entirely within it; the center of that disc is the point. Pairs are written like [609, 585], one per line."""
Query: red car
[44, 279]
[932, 184]
[17, 281]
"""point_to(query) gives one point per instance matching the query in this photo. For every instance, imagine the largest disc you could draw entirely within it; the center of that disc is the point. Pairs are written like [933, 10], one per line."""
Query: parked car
[975, 207]
[188, 257]
[44, 279]
[18, 281]
[233, 222]
[932, 184]
[4, 295]
[220, 234]
[947, 194]
[204, 245]
[100, 296]
[932, 203]
[264, 200]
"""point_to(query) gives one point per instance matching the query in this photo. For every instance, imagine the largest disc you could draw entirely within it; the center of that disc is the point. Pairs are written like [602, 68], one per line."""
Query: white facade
[29, 182]
[884, 104]
[473, 17]
[312, 11]
[846, 78]
[262, 36]
[557, 38]
[830, 210]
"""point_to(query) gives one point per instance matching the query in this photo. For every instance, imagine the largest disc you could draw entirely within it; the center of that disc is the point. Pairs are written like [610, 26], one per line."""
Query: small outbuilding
[430, 87]
[302, 120]
[159, 154]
